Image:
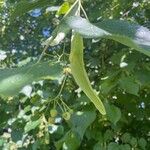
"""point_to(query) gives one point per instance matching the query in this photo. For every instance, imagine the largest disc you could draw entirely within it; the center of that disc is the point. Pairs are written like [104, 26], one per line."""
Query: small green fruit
[51, 120]
[66, 115]
[53, 113]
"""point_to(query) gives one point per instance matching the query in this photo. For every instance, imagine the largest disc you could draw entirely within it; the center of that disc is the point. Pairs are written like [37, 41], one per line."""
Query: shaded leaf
[81, 120]
[35, 145]
[142, 143]
[113, 113]
[84, 27]
[128, 33]
[113, 146]
[108, 135]
[125, 147]
[126, 138]
[98, 146]
[143, 77]
[12, 80]
[110, 83]
[94, 134]
[24, 6]
[70, 141]
[2, 141]
[129, 85]
[133, 141]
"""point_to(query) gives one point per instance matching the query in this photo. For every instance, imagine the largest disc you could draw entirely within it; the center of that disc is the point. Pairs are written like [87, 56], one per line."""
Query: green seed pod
[79, 73]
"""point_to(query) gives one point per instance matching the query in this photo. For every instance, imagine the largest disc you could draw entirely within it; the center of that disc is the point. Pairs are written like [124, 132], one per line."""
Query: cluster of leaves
[55, 114]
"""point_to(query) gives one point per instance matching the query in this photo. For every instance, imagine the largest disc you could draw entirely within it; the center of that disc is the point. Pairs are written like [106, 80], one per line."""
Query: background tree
[51, 111]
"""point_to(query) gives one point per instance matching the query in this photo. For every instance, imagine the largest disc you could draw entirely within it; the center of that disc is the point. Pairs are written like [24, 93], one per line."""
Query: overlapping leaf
[12, 80]
[1, 2]
[24, 6]
[129, 34]
[81, 120]
[113, 113]
[62, 29]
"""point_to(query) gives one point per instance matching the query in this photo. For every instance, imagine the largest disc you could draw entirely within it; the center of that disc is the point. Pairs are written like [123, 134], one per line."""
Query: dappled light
[74, 75]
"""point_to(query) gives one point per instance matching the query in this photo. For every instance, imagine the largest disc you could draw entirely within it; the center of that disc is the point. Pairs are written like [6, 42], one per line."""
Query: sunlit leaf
[110, 83]
[84, 27]
[108, 135]
[143, 77]
[62, 29]
[130, 34]
[63, 9]
[31, 125]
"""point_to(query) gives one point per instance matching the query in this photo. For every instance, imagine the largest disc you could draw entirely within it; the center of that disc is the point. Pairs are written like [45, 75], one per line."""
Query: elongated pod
[79, 72]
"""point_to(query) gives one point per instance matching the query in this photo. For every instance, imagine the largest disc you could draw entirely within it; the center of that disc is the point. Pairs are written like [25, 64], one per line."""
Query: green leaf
[143, 77]
[142, 143]
[84, 27]
[36, 144]
[62, 29]
[1, 3]
[98, 146]
[110, 83]
[69, 141]
[129, 85]
[63, 9]
[133, 141]
[24, 6]
[81, 120]
[113, 113]
[94, 134]
[31, 125]
[113, 146]
[129, 34]
[125, 147]
[13, 80]
[16, 135]
[2, 141]
[126, 137]
[108, 135]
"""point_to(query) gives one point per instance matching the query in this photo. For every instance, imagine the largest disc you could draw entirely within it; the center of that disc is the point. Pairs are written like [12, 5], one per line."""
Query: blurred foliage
[56, 114]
